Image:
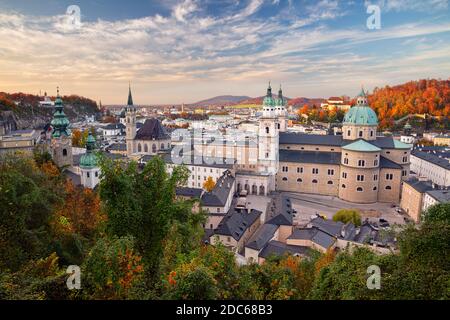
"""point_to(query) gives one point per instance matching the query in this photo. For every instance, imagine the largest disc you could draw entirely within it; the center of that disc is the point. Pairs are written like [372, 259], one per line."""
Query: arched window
[343, 186]
[64, 152]
[314, 181]
[330, 182]
[284, 179]
[374, 188]
[360, 134]
[145, 148]
[359, 189]
[388, 188]
[154, 148]
[279, 126]
[361, 163]
[348, 133]
[299, 180]
[371, 133]
[162, 146]
[267, 130]
[345, 160]
[139, 147]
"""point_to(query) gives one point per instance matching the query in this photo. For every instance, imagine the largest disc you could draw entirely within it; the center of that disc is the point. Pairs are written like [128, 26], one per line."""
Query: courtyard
[307, 205]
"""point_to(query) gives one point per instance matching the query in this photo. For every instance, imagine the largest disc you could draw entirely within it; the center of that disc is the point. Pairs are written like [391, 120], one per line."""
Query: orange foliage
[325, 260]
[80, 212]
[50, 169]
[131, 267]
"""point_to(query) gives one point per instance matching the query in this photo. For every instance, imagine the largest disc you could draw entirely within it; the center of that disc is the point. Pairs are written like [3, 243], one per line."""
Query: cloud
[238, 50]
[410, 5]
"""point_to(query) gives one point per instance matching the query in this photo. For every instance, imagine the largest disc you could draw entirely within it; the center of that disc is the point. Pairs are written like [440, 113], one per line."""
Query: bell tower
[130, 120]
[61, 140]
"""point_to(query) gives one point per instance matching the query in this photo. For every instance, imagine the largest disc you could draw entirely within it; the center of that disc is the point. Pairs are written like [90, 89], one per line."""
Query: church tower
[61, 140]
[90, 172]
[268, 138]
[281, 111]
[130, 120]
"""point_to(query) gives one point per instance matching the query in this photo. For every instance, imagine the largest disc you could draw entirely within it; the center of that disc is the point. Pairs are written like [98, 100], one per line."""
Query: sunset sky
[185, 51]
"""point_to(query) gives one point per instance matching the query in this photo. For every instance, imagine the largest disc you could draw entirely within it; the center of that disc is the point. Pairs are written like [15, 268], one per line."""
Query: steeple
[60, 123]
[269, 91]
[280, 93]
[130, 97]
[89, 159]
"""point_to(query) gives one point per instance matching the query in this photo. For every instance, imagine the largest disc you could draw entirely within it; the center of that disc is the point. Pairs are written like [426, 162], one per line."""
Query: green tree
[142, 204]
[348, 215]
[439, 213]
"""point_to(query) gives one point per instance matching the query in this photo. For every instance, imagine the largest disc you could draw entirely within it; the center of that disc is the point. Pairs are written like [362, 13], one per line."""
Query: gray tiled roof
[329, 226]
[386, 163]
[117, 147]
[435, 159]
[262, 236]
[442, 196]
[189, 192]
[152, 130]
[315, 235]
[419, 186]
[310, 157]
[310, 139]
[220, 194]
[277, 248]
[236, 222]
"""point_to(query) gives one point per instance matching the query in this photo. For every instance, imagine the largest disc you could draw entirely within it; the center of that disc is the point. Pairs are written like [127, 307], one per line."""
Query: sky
[188, 50]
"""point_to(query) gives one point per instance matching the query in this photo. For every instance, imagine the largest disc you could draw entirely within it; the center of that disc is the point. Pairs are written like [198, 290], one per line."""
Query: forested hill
[29, 113]
[415, 97]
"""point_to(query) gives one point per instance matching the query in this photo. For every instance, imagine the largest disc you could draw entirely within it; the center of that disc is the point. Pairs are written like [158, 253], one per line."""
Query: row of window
[89, 175]
[360, 133]
[362, 163]
[361, 177]
[314, 170]
[360, 189]
[146, 147]
[301, 180]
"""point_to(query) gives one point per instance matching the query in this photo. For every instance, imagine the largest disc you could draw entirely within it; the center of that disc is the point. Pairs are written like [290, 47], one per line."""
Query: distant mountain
[28, 112]
[295, 102]
[221, 101]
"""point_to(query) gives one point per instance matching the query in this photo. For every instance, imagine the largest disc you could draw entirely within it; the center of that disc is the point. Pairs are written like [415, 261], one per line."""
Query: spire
[362, 93]
[269, 91]
[89, 159]
[130, 97]
[60, 123]
[280, 93]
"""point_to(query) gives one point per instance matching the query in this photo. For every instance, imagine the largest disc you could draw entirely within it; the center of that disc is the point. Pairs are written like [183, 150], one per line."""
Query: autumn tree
[209, 184]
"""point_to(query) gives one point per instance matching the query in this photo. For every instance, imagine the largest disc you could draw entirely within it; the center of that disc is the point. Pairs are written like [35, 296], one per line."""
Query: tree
[111, 269]
[142, 204]
[209, 184]
[348, 215]
[439, 213]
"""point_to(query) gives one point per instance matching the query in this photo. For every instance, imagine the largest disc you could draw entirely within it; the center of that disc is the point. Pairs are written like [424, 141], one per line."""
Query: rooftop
[309, 157]
[442, 196]
[361, 145]
[277, 248]
[236, 222]
[152, 130]
[262, 236]
[220, 194]
[433, 158]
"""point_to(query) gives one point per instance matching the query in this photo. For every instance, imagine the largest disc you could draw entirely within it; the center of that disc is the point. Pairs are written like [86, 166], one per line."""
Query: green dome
[361, 115]
[269, 101]
[89, 159]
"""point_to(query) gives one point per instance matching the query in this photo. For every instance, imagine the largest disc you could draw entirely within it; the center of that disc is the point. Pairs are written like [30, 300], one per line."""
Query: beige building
[413, 192]
[358, 166]
[441, 140]
[20, 140]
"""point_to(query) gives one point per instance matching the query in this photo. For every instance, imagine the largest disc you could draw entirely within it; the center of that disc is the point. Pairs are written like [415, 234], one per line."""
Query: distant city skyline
[185, 51]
